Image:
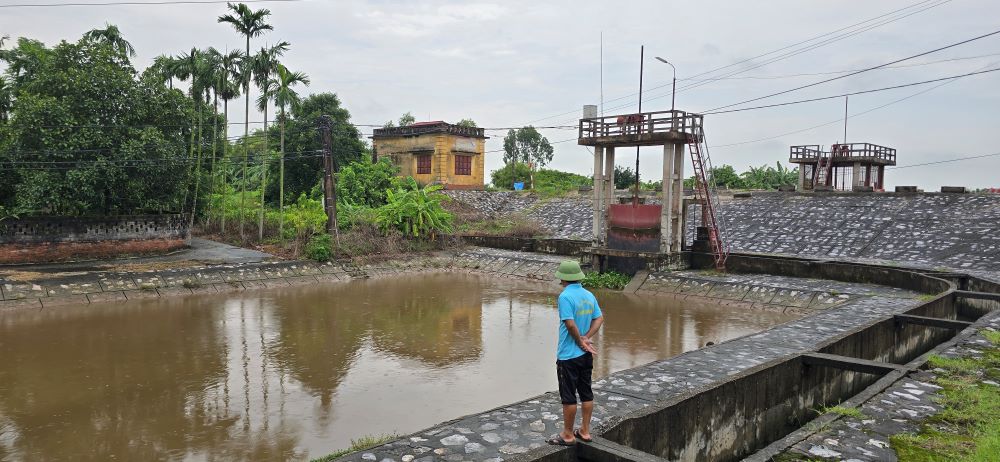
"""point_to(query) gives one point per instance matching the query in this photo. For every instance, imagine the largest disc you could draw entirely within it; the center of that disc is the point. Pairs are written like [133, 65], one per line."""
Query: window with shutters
[463, 165]
[424, 164]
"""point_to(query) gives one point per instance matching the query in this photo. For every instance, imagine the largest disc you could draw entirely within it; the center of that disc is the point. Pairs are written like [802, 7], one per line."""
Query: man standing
[578, 312]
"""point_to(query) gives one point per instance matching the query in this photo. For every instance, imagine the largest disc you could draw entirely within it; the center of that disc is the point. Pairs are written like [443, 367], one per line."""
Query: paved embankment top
[521, 427]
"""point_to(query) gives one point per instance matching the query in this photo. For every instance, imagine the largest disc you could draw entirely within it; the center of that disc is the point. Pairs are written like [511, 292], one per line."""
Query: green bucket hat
[570, 270]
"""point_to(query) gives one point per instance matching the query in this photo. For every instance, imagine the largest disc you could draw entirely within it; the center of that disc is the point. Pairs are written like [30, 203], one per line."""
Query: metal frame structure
[846, 166]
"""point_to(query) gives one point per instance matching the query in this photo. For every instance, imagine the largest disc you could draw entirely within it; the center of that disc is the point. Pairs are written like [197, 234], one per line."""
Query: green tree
[285, 96]
[503, 177]
[364, 182]
[264, 67]
[527, 145]
[229, 80]
[303, 165]
[726, 177]
[406, 119]
[624, 177]
[121, 135]
[250, 24]
[415, 210]
[113, 37]
[468, 123]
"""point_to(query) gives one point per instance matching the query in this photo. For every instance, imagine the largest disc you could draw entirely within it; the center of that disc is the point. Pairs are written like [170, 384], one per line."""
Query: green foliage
[526, 146]
[304, 171]
[764, 177]
[504, 177]
[608, 280]
[844, 411]
[968, 427]
[547, 182]
[557, 183]
[468, 123]
[514, 225]
[319, 248]
[406, 119]
[63, 97]
[624, 177]
[415, 211]
[365, 182]
[360, 444]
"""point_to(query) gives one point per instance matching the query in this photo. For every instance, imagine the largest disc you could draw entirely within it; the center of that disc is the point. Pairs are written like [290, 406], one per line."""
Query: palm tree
[285, 96]
[112, 36]
[165, 67]
[213, 70]
[3, 39]
[249, 23]
[265, 64]
[196, 65]
[229, 89]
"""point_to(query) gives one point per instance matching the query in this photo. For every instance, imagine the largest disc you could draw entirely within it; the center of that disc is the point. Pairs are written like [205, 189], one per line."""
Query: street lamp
[673, 90]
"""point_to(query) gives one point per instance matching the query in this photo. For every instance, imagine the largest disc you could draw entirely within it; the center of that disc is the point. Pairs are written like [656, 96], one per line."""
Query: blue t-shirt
[580, 305]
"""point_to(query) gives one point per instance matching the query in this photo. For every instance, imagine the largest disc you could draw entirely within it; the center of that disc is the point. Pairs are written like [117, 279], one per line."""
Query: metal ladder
[822, 171]
[705, 191]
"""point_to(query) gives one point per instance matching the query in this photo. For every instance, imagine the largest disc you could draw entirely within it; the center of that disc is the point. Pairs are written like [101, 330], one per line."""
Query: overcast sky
[511, 63]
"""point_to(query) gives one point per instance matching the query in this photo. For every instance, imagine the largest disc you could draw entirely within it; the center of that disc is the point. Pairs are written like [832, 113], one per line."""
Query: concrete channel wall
[734, 418]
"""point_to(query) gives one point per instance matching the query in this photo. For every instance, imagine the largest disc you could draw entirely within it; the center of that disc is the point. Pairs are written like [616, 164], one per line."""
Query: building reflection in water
[298, 372]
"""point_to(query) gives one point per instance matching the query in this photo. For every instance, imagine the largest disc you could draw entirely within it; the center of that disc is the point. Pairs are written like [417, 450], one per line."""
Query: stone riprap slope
[798, 296]
[948, 230]
[960, 231]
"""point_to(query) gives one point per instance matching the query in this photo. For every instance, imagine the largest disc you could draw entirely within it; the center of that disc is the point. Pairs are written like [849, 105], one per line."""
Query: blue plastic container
[518, 186]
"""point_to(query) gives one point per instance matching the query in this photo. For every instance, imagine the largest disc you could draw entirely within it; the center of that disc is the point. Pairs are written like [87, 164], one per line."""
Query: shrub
[364, 183]
[504, 178]
[609, 280]
[319, 248]
[415, 211]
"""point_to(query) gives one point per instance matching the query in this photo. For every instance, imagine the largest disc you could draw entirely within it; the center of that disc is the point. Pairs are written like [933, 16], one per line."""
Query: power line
[134, 3]
[851, 93]
[837, 121]
[786, 55]
[980, 37]
[946, 161]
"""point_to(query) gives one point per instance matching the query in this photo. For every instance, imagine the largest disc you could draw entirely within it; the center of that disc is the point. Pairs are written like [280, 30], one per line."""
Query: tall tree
[248, 23]
[265, 65]
[406, 119]
[528, 146]
[230, 79]
[467, 123]
[165, 67]
[6, 98]
[285, 96]
[197, 66]
[112, 36]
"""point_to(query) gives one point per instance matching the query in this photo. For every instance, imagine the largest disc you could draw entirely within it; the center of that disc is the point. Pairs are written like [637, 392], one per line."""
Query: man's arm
[595, 326]
[575, 333]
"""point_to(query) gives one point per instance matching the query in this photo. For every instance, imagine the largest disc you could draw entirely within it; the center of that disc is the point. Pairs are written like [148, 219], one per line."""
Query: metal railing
[843, 152]
[646, 123]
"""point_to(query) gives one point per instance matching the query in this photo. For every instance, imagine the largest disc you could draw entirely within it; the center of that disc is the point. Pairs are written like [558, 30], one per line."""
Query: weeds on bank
[516, 225]
[360, 444]
[841, 410]
[968, 428]
[609, 280]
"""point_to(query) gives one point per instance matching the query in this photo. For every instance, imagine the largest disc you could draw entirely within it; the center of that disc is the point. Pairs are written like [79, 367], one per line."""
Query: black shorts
[574, 378]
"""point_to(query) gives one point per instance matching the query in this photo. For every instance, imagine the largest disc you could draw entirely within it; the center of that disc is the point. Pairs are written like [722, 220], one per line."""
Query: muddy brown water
[297, 373]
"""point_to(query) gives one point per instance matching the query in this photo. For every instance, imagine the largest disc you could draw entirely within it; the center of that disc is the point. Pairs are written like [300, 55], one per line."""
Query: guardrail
[646, 123]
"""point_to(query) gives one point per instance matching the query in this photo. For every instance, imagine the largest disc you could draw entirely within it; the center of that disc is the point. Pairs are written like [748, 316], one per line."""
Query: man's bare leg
[588, 411]
[569, 418]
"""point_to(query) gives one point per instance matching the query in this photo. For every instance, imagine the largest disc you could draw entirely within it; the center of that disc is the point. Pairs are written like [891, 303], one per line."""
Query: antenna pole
[845, 119]
[639, 121]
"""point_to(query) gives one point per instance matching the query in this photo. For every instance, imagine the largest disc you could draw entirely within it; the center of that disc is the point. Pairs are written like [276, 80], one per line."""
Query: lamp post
[673, 89]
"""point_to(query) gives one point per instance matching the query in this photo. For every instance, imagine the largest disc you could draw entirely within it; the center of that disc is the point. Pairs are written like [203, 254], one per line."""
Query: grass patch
[968, 428]
[841, 410]
[610, 280]
[515, 225]
[360, 444]
[191, 284]
[927, 297]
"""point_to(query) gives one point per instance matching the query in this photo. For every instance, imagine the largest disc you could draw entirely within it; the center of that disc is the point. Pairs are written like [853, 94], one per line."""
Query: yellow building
[435, 152]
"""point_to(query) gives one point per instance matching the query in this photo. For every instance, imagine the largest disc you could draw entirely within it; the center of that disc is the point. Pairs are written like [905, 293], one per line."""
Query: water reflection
[297, 372]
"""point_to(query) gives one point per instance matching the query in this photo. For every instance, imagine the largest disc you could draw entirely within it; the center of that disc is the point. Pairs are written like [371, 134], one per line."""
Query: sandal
[576, 433]
[558, 441]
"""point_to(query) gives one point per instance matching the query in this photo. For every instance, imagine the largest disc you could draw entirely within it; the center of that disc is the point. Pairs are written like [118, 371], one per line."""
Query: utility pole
[845, 119]
[329, 181]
